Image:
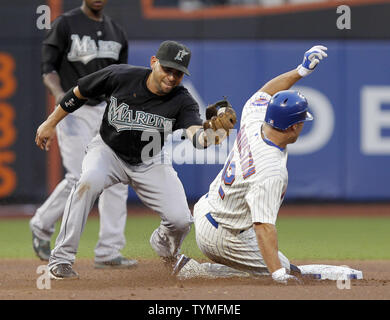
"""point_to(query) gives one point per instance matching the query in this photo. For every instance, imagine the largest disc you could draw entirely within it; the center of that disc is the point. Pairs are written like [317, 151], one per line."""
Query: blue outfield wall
[343, 155]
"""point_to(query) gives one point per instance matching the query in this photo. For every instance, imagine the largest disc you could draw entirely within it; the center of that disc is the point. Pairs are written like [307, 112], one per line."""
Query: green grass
[299, 238]
[15, 238]
[335, 238]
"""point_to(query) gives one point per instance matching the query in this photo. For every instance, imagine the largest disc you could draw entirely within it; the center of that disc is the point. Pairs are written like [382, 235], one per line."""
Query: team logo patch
[260, 102]
[181, 54]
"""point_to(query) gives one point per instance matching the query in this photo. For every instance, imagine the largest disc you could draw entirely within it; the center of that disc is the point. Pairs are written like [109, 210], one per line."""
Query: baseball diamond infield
[365, 243]
[149, 281]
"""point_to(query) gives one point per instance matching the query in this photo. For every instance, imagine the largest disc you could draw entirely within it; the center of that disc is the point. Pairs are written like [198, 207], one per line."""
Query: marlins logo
[123, 118]
[86, 49]
[181, 54]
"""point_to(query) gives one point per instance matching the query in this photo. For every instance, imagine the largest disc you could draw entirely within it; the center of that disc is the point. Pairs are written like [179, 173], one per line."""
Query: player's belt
[212, 221]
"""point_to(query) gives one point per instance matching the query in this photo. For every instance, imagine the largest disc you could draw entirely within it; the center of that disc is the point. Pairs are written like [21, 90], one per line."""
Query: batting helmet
[286, 108]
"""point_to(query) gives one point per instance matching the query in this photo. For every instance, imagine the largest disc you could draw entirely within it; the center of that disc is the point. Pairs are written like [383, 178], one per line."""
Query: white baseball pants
[233, 251]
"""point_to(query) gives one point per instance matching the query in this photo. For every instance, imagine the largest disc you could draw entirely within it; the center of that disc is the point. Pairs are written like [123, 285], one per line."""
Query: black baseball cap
[172, 54]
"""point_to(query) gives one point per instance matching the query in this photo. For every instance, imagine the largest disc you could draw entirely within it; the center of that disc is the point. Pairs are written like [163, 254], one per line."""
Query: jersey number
[228, 175]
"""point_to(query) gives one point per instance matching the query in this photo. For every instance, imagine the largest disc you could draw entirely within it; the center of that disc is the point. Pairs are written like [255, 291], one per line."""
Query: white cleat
[187, 268]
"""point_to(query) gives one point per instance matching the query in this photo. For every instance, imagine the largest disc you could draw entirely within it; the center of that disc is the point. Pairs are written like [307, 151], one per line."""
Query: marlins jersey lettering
[251, 186]
[87, 49]
[135, 118]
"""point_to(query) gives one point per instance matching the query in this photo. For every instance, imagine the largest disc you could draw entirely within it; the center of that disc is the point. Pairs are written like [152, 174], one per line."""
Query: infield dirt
[150, 281]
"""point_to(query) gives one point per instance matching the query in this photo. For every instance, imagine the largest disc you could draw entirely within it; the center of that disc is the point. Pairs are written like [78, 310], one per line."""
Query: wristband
[302, 71]
[70, 102]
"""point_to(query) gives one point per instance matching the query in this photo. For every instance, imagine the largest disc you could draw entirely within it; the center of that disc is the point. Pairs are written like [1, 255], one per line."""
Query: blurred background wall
[237, 46]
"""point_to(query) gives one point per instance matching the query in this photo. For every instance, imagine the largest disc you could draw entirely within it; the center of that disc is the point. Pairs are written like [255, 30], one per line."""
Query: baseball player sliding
[235, 220]
[146, 104]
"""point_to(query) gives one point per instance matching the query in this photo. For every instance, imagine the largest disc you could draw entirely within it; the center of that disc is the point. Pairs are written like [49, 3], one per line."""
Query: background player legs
[160, 189]
[113, 215]
[43, 222]
[73, 137]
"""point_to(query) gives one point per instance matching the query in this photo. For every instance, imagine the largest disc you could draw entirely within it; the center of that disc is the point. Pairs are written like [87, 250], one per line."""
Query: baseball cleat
[41, 247]
[63, 271]
[117, 263]
[181, 262]
[188, 268]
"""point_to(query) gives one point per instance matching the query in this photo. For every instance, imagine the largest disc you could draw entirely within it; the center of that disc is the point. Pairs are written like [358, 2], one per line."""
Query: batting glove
[283, 277]
[311, 59]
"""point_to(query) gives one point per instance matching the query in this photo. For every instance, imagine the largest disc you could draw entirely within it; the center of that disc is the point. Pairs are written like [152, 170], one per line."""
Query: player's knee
[92, 181]
[182, 225]
[177, 219]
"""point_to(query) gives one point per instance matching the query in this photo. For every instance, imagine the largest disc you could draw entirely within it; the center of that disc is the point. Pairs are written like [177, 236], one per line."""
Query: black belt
[215, 223]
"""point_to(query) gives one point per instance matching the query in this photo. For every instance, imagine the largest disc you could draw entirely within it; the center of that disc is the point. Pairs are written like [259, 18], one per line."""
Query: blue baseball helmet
[286, 108]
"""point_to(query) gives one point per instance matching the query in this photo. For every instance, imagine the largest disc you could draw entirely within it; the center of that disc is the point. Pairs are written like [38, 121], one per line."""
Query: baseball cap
[172, 54]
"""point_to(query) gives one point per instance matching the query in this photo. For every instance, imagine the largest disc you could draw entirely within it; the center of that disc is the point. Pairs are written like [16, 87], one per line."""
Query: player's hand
[221, 118]
[311, 59]
[45, 135]
[281, 276]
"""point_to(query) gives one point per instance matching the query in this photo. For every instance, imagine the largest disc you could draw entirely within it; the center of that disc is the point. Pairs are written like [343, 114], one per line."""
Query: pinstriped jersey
[251, 186]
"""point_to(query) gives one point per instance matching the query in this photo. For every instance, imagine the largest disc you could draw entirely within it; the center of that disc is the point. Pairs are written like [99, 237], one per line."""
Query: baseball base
[329, 272]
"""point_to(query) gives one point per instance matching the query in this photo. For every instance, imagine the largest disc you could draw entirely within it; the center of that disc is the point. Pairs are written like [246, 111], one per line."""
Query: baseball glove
[221, 117]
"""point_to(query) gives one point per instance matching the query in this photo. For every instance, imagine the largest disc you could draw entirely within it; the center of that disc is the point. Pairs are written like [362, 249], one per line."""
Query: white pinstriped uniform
[250, 188]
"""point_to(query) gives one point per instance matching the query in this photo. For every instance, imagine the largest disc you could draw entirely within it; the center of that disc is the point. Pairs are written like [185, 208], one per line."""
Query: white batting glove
[311, 59]
[283, 277]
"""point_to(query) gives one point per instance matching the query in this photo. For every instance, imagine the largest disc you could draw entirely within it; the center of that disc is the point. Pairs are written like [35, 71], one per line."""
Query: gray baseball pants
[156, 184]
[74, 133]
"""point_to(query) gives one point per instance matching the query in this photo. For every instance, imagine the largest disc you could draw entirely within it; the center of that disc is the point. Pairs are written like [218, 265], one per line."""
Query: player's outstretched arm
[285, 81]
[45, 132]
[268, 243]
[267, 240]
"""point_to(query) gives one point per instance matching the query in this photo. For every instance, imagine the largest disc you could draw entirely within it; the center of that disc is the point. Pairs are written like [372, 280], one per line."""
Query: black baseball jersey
[137, 120]
[76, 46]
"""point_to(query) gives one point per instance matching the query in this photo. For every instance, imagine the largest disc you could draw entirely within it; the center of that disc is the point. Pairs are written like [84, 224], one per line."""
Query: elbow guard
[70, 102]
